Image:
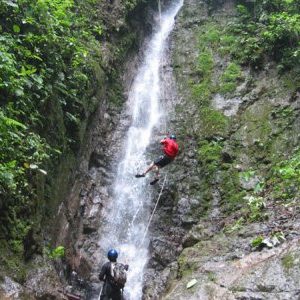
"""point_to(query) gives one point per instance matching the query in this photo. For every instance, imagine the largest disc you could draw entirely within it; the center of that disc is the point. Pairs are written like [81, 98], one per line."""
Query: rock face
[221, 230]
[219, 226]
[220, 211]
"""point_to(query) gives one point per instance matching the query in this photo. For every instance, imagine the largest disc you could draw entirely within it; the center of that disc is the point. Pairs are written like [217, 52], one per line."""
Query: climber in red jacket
[170, 149]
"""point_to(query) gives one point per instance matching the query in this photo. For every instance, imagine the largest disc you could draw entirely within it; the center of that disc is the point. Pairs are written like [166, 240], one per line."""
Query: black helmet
[172, 136]
[112, 254]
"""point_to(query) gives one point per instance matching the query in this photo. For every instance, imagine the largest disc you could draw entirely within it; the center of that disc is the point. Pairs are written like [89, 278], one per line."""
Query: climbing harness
[154, 209]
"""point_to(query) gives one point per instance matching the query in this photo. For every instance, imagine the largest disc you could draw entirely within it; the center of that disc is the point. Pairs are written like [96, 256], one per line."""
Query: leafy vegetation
[50, 66]
[256, 206]
[285, 178]
[57, 252]
[267, 28]
[209, 154]
[257, 242]
[276, 238]
[229, 78]
[44, 62]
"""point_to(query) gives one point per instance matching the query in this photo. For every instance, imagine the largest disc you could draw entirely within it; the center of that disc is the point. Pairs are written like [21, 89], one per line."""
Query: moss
[211, 276]
[284, 178]
[209, 35]
[227, 43]
[11, 263]
[238, 288]
[231, 192]
[186, 265]
[291, 80]
[230, 78]
[213, 123]
[288, 261]
[201, 92]
[115, 94]
[206, 62]
[209, 153]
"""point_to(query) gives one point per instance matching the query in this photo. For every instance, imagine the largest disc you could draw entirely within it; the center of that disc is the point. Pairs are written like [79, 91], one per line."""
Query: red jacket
[170, 147]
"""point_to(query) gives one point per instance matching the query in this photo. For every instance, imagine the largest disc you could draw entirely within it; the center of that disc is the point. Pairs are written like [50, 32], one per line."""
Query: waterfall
[126, 217]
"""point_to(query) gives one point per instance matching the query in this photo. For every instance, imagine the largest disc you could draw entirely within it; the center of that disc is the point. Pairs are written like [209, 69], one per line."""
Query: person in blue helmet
[170, 151]
[113, 286]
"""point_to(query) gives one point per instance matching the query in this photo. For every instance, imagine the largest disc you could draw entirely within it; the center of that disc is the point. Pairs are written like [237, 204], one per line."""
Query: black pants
[163, 161]
[110, 292]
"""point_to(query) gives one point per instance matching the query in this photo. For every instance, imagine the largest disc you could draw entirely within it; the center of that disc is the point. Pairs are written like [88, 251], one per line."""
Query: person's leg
[156, 177]
[163, 161]
[106, 292]
[156, 170]
[150, 168]
[147, 170]
[116, 294]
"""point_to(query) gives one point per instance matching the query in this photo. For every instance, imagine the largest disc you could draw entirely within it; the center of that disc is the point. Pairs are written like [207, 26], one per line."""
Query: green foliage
[21, 148]
[268, 27]
[285, 178]
[130, 4]
[233, 197]
[215, 123]
[247, 175]
[206, 63]
[257, 242]
[256, 206]
[275, 239]
[230, 78]
[48, 52]
[236, 226]
[209, 36]
[209, 154]
[58, 252]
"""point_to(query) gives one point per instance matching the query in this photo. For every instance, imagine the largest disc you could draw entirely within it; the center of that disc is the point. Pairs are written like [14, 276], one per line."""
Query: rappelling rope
[154, 209]
[100, 292]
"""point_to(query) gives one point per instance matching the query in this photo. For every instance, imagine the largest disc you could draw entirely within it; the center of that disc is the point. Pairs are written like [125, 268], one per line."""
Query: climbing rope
[160, 193]
[100, 292]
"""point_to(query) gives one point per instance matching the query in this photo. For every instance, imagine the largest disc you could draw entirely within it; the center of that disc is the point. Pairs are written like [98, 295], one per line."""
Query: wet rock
[253, 229]
[228, 106]
[96, 160]
[227, 157]
[89, 227]
[197, 233]
[184, 210]
[10, 289]
[45, 283]
[163, 252]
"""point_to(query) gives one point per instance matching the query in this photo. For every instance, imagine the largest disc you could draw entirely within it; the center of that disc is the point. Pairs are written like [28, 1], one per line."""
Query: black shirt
[105, 273]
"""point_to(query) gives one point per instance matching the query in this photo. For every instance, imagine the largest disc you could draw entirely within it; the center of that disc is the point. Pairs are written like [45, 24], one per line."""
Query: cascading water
[126, 218]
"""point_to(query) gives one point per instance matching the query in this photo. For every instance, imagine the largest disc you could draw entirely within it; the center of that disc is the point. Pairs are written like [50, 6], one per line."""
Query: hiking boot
[154, 181]
[139, 175]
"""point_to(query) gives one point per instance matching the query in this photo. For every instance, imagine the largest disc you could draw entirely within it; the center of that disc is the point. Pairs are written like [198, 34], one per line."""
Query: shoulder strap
[112, 266]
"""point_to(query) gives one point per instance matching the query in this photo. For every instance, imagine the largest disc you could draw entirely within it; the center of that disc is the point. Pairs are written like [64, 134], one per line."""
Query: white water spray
[127, 216]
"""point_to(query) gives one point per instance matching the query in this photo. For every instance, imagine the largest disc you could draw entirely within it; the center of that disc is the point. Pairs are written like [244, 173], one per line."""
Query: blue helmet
[112, 254]
[172, 136]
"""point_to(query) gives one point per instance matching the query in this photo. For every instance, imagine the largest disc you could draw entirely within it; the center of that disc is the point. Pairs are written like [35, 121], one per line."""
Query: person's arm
[163, 141]
[102, 274]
